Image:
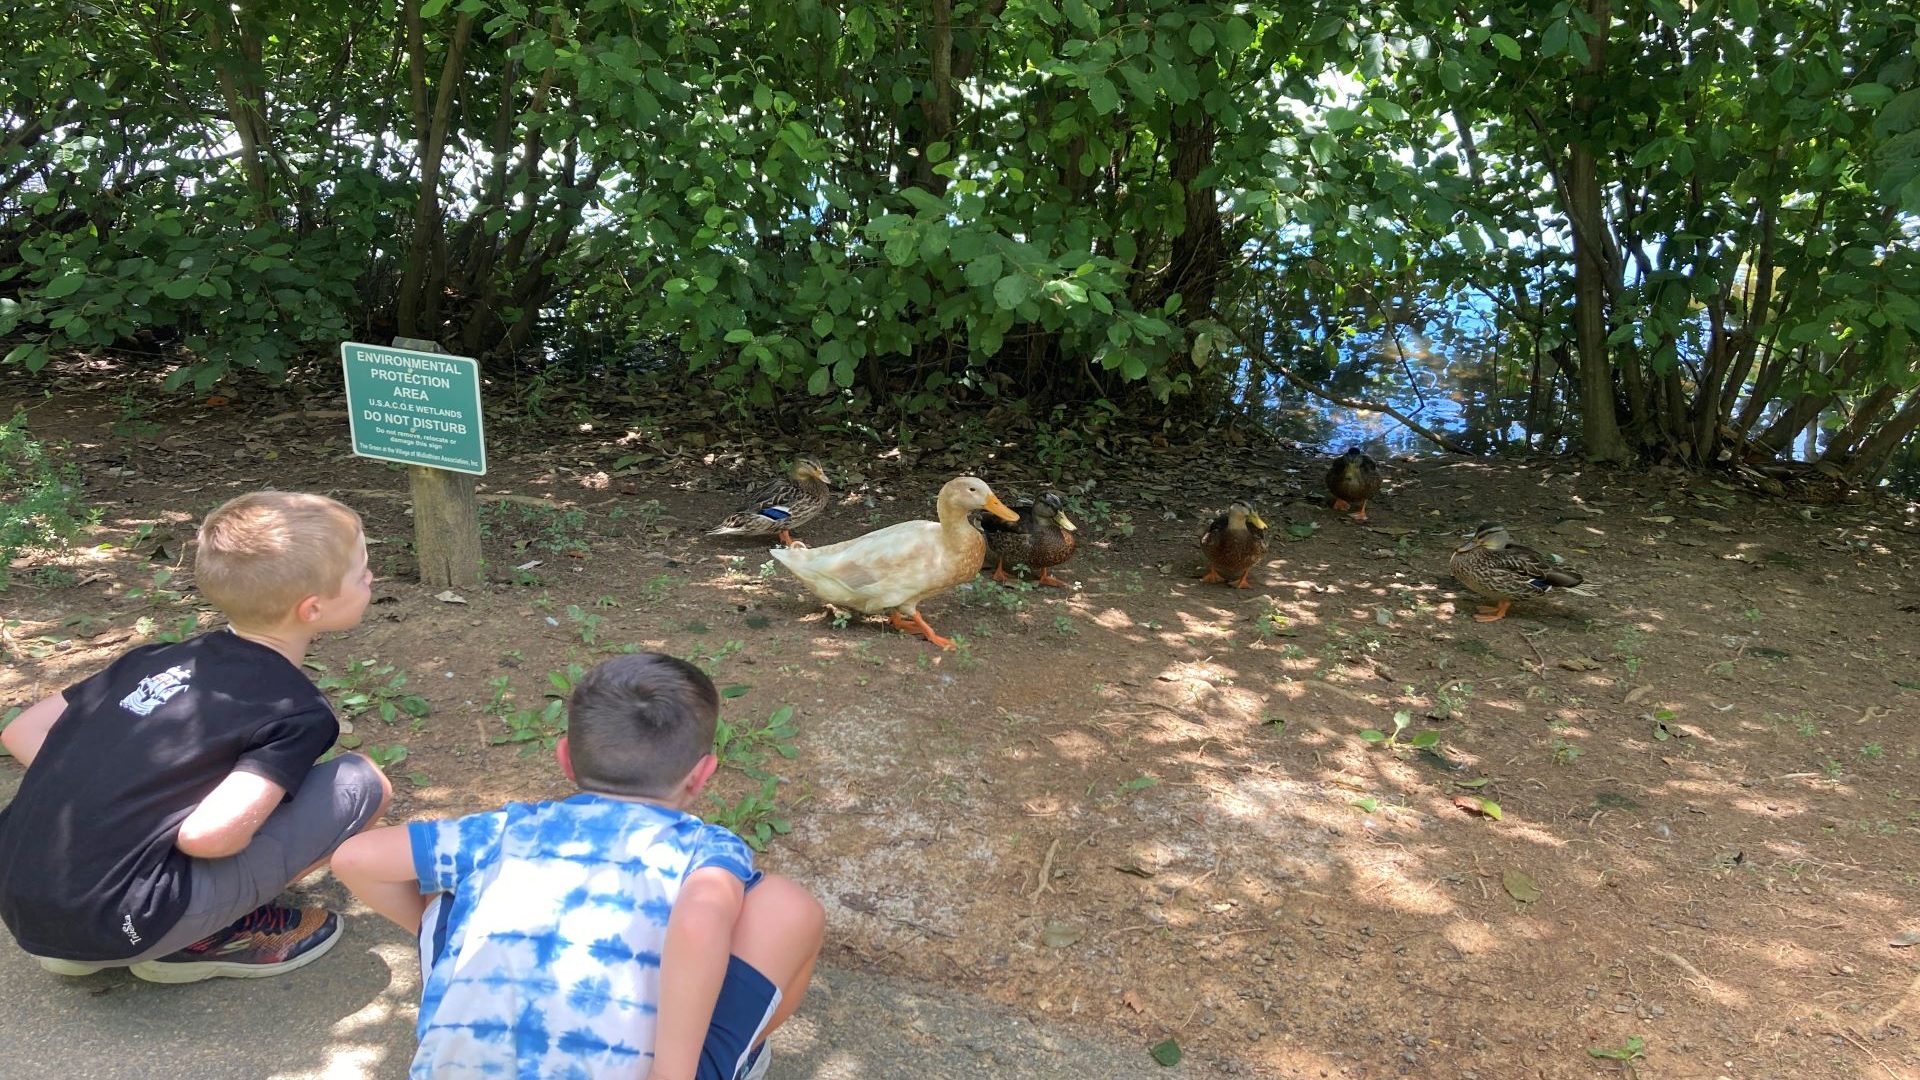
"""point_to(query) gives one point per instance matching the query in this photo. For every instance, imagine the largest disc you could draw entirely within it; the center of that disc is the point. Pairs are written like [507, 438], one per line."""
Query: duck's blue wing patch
[776, 513]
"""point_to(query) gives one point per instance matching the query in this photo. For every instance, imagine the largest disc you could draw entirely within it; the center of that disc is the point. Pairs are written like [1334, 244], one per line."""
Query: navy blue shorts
[747, 1001]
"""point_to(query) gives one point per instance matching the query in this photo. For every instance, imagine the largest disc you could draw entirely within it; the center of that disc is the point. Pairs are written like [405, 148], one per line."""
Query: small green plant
[746, 746]
[1626, 1053]
[1451, 700]
[1872, 751]
[657, 587]
[371, 686]
[134, 422]
[586, 625]
[841, 618]
[1423, 740]
[606, 602]
[183, 628]
[1564, 752]
[1833, 769]
[1063, 625]
[157, 592]
[541, 725]
[986, 592]
[1138, 783]
[1627, 649]
[754, 817]
[708, 660]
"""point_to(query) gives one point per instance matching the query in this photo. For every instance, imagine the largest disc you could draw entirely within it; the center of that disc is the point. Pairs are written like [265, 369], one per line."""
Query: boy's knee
[376, 791]
[784, 899]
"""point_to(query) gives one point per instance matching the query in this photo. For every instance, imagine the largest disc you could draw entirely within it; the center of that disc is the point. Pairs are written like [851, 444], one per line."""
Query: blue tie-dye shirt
[543, 959]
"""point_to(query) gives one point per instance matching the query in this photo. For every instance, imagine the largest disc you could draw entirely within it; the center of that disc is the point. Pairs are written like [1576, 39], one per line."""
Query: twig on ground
[1046, 869]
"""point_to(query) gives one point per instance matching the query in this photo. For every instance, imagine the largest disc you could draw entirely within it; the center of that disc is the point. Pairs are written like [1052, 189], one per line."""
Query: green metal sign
[416, 408]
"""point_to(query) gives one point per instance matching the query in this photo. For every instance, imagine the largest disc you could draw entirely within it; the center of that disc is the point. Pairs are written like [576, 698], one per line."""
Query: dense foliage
[1692, 226]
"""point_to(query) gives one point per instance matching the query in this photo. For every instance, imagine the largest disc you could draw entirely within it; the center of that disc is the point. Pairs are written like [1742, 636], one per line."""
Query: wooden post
[446, 515]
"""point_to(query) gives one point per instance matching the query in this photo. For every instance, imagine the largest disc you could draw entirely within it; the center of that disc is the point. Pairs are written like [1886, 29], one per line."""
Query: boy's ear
[702, 772]
[308, 609]
[563, 754]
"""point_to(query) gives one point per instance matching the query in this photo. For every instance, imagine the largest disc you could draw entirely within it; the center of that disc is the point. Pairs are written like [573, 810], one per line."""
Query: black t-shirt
[88, 870]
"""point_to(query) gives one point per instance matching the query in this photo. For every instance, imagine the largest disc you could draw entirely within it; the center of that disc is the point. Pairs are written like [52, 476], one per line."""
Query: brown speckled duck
[1040, 540]
[1491, 564]
[1234, 543]
[1354, 479]
[778, 507]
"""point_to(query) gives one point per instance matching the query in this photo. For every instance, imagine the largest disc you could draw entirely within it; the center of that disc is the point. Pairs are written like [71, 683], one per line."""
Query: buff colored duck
[891, 570]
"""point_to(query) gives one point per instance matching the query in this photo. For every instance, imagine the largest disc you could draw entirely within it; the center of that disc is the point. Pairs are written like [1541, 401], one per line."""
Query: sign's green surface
[417, 408]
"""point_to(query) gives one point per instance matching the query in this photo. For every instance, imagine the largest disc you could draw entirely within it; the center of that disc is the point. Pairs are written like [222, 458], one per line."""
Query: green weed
[371, 686]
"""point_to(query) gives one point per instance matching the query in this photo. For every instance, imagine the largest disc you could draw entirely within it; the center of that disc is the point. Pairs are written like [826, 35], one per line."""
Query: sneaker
[71, 968]
[270, 940]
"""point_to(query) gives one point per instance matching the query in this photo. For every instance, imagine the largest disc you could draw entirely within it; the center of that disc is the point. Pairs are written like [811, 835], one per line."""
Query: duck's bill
[1467, 545]
[1065, 522]
[999, 509]
[1254, 520]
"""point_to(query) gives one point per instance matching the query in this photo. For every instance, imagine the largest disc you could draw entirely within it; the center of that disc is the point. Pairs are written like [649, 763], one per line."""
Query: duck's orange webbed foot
[1493, 614]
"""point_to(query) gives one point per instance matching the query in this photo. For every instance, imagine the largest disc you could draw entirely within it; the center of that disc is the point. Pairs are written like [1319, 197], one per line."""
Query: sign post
[420, 407]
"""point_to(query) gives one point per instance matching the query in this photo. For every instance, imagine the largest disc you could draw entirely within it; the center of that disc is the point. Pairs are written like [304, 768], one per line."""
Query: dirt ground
[1143, 804]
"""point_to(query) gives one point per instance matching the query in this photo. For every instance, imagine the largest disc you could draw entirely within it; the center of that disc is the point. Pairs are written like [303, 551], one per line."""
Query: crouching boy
[611, 934]
[169, 798]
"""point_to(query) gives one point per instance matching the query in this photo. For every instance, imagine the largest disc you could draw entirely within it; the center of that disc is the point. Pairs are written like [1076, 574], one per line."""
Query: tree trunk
[425, 274]
[1600, 425]
[940, 108]
[1877, 452]
[1840, 448]
[1808, 406]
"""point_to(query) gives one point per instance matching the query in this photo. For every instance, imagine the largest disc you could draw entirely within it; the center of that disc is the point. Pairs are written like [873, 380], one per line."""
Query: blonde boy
[169, 798]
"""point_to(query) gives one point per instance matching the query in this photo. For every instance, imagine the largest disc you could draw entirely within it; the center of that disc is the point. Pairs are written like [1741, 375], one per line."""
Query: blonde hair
[262, 553]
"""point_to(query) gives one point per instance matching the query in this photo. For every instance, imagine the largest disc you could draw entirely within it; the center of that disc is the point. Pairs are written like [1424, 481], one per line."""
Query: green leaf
[1367, 805]
[432, 8]
[1166, 1052]
[1200, 38]
[1490, 808]
[65, 285]
[1424, 740]
[985, 270]
[1506, 46]
[819, 381]
[736, 690]
[1373, 735]
[1103, 94]
[1554, 41]
[1012, 291]
[738, 335]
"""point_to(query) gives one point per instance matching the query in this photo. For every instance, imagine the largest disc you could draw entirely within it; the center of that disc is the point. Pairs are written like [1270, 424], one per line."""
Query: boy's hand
[225, 821]
[693, 962]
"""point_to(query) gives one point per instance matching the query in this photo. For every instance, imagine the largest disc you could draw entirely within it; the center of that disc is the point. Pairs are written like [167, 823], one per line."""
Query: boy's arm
[692, 964]
[28, 730]
[225, 821]
[377, 866]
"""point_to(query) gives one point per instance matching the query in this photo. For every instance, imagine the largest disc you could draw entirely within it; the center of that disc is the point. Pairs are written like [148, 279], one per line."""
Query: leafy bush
[40, 504]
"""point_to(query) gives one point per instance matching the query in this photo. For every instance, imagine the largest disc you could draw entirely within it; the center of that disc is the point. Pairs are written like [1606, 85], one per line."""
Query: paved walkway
[350, 1017]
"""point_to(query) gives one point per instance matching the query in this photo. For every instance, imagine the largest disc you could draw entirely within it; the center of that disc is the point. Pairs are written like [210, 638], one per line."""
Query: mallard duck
[892, 569]
[1354, 478]
[1234, 542]
[1491, 564]
[1041, 539]
[777, 507]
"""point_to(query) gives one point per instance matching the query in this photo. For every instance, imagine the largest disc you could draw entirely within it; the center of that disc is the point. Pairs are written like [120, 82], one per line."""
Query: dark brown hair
[637, 724]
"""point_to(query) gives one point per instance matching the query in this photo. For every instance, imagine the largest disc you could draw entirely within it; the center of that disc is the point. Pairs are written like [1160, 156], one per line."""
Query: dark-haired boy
[611, 934]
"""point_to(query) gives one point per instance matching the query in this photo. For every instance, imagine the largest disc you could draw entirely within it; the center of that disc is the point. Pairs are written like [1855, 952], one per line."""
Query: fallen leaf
[1906, 940]
[1637, 693]
[1132, 1001]
[449, 597]
[1474, 804]
[1367, 805]
[1059, 935]
[1520, 886]
[1580, 663]
[1166, 1053]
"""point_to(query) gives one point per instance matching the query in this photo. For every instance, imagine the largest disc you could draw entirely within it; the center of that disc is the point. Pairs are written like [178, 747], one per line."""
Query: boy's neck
[289, 641]
[675, 805]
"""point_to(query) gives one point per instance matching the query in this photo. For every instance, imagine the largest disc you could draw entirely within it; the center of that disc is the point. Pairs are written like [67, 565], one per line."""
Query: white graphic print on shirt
[155, 690]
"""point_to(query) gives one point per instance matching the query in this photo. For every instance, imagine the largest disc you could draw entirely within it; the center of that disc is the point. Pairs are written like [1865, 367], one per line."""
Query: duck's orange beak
[999, 509]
